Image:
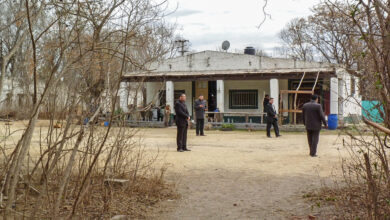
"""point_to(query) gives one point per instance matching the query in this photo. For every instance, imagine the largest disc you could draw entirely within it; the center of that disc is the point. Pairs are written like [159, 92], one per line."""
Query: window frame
[233, 91]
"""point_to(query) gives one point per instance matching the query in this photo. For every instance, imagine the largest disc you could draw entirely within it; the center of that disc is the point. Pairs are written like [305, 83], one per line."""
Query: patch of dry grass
[346, 203]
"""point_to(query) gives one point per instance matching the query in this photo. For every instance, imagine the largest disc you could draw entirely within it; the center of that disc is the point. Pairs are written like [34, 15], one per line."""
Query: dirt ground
[240, 174]
[245, 175]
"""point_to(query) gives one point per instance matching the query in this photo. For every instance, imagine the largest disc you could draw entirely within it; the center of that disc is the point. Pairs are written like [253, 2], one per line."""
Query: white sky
[207, 23]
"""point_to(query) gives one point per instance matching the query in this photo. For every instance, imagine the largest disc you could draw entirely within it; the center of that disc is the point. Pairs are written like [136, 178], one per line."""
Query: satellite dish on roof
[225, 45]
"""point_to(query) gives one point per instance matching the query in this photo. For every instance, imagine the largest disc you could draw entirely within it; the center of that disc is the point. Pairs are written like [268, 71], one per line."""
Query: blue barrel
[332, 121]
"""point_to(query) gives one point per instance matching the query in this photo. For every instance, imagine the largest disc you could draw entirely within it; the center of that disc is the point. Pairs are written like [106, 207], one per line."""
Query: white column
[334, 95]
[170, 95]
[285, 104]
[123, 97]
[274, 92]
[221, 95]
[357, 87]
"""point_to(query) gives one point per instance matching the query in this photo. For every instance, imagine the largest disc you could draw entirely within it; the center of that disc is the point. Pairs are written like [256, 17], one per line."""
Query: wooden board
[238, 113]
[290, 110]
[295, 92]
[202, 88]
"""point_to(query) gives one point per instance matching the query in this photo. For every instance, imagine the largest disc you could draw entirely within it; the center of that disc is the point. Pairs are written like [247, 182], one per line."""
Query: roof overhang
[262, 74]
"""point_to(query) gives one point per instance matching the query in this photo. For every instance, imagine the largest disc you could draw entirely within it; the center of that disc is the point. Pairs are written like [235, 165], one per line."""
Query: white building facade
[238, 83]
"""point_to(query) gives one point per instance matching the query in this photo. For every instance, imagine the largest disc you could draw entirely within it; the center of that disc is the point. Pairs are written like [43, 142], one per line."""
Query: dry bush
[123, 157]
[363, 192]
[68, 65]
[355, 34]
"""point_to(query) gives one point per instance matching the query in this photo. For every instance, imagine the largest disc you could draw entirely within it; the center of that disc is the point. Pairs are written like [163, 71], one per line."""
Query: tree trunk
[19, 159]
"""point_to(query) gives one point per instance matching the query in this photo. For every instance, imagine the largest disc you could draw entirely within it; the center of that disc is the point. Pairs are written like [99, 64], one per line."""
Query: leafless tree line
[70, 55]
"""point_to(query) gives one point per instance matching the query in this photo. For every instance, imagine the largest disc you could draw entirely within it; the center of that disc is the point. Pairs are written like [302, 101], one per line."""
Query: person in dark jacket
[313, 117]
[265, 101]
[182, 119]
[272, 118]
[200, 108]
[160, 116]
[212, 106]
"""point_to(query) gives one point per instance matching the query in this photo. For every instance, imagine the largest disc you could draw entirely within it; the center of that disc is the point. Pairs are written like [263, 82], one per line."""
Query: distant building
[238, 83]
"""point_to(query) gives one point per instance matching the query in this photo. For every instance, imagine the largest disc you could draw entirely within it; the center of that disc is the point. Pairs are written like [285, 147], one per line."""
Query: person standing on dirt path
[182, 120]
[313, 116]
[272, 118]
[200, 108]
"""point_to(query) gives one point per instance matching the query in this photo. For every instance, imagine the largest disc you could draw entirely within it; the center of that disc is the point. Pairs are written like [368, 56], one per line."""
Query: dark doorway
[212, 102]
[307, 85]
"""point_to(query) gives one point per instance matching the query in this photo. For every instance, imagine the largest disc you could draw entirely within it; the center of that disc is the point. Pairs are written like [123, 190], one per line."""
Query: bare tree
[295, 37]
[324, 36]
[13, 31]
[355, 33]
[75, 53]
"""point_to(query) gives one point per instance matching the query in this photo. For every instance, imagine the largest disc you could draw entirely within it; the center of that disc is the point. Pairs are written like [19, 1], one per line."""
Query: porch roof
[261, 74]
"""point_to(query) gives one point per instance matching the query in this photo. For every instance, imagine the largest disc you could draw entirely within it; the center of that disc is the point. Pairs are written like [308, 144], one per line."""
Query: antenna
[225, 45]
[182, 46]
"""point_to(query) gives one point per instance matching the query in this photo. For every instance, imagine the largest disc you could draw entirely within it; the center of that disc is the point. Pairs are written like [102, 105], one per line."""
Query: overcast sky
[207, 23]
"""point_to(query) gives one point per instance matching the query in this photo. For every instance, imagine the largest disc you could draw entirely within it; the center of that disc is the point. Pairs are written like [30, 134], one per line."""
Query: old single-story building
[237, 83]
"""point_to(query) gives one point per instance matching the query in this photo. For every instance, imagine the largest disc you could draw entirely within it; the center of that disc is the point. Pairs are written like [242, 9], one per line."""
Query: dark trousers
[313, 137]
[200, 126]
[181, 138]
[272, 122]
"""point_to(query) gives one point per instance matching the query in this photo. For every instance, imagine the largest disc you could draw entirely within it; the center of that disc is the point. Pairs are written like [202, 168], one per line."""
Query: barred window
[243, 99]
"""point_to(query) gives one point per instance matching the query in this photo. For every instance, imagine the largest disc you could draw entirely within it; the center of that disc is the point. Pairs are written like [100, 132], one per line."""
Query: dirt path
[240, 174]
[244, 175]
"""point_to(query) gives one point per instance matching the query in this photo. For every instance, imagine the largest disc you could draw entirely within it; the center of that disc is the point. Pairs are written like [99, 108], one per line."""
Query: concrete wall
[18, 90]
[261, 85]
[350, 103]
[214, 60]
[128, 92]
[125, 97]
[219, 61]
[263, 88]
[152, 90]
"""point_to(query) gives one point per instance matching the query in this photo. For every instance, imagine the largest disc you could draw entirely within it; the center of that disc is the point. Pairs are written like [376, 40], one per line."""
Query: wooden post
[296, 97]
[280, 107]
[292, 110]
[315, 83]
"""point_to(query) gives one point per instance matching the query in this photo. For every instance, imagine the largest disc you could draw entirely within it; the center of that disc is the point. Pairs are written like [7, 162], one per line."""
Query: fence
[371, 110]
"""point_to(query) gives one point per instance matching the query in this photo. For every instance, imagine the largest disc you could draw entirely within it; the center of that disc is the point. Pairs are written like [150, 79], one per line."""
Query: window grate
[243, 99]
